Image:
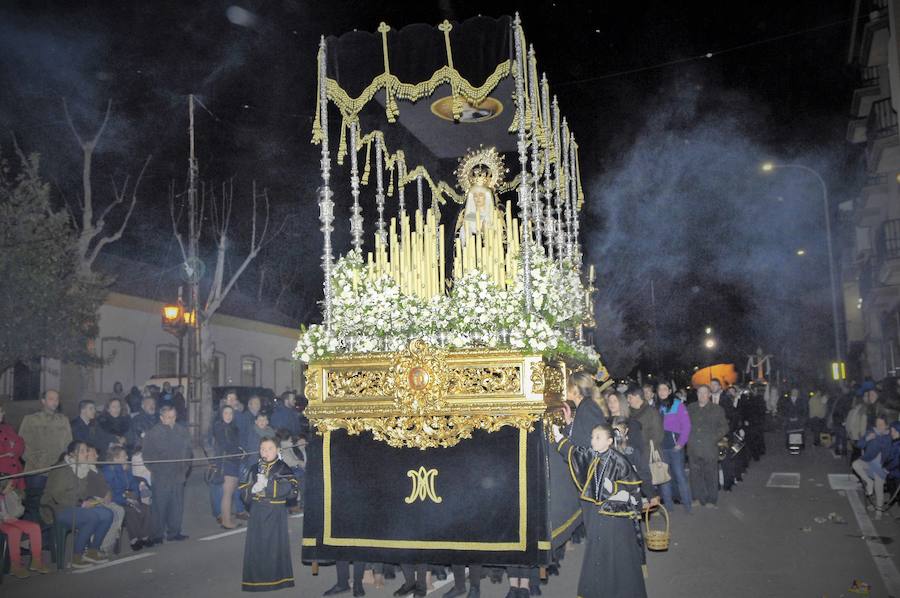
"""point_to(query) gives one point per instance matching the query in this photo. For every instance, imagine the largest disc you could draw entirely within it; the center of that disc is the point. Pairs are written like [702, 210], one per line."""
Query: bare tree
[222, 282]
[93, 235]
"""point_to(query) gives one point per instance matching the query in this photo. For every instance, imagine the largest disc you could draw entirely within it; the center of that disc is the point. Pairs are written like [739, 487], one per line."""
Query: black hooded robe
[614, 552]
[267, 549]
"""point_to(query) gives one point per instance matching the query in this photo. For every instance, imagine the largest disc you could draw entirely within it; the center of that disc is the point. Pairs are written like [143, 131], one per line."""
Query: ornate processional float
[449, 326]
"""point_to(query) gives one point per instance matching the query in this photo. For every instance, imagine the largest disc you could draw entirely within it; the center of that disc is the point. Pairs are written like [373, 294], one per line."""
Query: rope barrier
[63, 464]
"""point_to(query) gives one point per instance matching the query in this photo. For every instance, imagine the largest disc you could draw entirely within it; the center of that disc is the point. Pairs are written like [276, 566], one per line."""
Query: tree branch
[176, 220]
[119, 199]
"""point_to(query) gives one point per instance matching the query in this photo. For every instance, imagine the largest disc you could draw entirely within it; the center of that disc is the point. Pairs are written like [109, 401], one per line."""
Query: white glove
[557, 433]
[260, 485]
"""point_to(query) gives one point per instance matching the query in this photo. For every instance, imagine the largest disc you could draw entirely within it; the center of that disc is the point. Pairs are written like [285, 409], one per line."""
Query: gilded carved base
[425, 397]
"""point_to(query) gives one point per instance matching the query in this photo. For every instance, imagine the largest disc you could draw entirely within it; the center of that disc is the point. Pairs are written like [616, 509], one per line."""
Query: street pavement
[761, 541]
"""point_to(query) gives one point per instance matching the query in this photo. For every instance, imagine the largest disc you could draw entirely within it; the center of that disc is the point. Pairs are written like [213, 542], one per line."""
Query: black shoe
[474, 592]
[406, 589]
[454, 592]
[535, 590]
[153, 542]
[420, 592]
[390, 574]
[512, 593]
[336, 589]
[178, 538]
[137, 545]
[441, 574]
[358, 590]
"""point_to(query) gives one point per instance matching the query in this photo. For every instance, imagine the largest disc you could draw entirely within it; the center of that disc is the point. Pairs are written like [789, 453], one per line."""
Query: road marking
[842, 481]
[435, 586]
[122, 561]
[886, 567]
[230, 532]
[784, 480]
[297, 516]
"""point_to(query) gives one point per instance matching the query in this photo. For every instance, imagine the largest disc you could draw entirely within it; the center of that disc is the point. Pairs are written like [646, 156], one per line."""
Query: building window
[166, 362]
[250, 374]
[218, 369]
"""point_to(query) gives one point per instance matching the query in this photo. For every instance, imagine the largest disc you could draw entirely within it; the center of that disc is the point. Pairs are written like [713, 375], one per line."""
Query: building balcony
[869, 91]
[870, 206]
[879, 274]
[873, 32]
[881, 138]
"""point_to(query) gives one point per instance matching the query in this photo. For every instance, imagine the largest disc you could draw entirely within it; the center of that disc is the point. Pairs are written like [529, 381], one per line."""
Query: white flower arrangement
[375, 316]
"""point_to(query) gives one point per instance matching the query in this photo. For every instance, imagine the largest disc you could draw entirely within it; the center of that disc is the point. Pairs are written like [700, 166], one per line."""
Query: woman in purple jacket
[676, 433]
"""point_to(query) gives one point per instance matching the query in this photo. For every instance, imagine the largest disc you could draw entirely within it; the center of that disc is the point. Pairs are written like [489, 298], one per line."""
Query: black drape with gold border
[486, 500]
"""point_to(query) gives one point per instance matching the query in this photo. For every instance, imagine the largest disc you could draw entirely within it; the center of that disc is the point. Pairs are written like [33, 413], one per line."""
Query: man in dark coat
[649, 418]
[168, 440]
[794, 410]
[144, 420]
[85, 428]
[708, 426]
[285, 415]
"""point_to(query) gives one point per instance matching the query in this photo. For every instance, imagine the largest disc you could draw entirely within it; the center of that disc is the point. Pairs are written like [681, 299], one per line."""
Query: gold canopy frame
[425, 397]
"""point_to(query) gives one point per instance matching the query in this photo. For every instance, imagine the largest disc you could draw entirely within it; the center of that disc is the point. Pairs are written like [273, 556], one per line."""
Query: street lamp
[801, 252]
[176, 321]
[710, 343]
[770, 167]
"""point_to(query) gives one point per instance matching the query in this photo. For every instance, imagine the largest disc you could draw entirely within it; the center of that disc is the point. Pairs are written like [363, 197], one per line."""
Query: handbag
[659, 469]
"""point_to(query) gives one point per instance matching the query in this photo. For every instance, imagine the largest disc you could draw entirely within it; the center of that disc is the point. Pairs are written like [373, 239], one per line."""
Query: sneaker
[38, 567]
[695, 503]
[18, 571]
[95, 556]
[711, 505]
[79, 562]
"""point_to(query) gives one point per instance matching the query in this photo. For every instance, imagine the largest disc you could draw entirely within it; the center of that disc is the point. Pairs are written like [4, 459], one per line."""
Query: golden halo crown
[483, 166]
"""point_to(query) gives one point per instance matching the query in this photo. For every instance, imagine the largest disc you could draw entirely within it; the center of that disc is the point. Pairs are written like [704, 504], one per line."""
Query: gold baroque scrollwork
[420, 377]
[311, 388]
[485, 380]
[360, 383]
[537, 377]
[426, 432]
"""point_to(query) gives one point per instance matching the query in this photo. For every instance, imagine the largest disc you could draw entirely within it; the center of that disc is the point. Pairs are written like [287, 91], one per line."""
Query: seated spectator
[125, 490]
[85, 428]
[115, 425]
[66, 501]
[11, 510]
[98, 490]
[11, 449]
[876, 449]
[892, 465]
[144, 420]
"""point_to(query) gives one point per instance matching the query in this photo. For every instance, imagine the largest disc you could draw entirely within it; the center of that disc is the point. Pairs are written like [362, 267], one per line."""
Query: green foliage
[47, 306]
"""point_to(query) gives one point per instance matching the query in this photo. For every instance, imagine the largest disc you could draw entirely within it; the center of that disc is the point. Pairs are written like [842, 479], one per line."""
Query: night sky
[669, 154]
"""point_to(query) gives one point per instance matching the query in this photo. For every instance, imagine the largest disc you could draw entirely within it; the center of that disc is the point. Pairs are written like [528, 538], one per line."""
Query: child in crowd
[10, 510]
[126, 492]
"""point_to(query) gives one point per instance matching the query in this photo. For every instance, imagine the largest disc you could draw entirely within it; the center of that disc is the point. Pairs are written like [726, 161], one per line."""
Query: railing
[882, 122]
[869, 76]
[887, 240]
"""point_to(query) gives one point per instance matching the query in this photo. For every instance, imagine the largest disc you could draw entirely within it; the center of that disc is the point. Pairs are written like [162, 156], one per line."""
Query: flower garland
[376, 316]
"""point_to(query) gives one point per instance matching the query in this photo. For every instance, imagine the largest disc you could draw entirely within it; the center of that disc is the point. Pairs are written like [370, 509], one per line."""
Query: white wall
[131, 333]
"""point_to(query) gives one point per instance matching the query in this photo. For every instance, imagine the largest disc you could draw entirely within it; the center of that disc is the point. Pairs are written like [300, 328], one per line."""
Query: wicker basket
[656, 539]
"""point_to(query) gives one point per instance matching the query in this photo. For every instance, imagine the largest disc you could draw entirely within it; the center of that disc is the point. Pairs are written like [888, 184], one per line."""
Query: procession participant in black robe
[756, 421]
[267, 551]
[614, 552]
[582, 391]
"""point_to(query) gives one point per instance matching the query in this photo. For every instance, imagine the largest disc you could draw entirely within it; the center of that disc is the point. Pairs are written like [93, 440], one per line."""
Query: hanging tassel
[342, 144]
[368, 167]
[391, 169]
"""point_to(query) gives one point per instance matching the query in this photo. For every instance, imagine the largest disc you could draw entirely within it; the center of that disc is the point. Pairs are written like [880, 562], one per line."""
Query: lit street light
[708, 330]
[770, 167]
[801, 252]
[710, 343]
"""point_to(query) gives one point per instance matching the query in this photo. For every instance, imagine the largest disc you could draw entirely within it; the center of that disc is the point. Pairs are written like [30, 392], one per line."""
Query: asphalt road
[762, 541]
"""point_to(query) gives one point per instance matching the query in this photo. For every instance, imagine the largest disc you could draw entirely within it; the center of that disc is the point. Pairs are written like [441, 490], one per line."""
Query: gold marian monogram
[422, 486]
